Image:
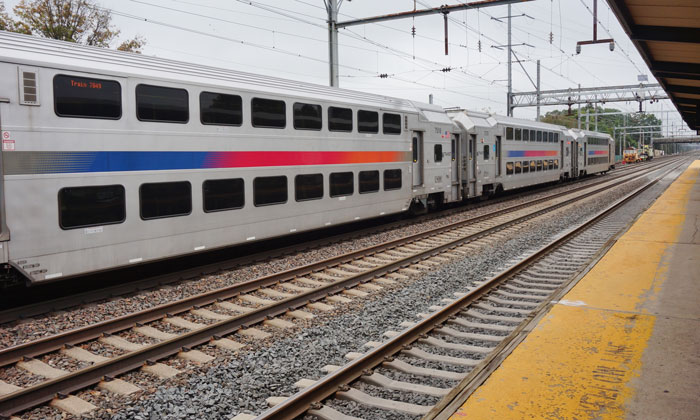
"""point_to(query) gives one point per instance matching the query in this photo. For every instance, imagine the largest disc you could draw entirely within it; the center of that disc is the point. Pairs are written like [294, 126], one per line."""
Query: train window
[533, 135]
[539, 165]
[509, 133]
[392, 179]
[367, 121]
[556, 163]
[268, 113]
[307, 116]
[509, 168]
[341, 184]
[162, 104]
[551, 137]
[545, 165]
[533, 166]
[526, 135]
[223, 194]
[526, 167]
[91, 206]
[487, 149]
[165, 199]
[414, 148]
[453, 149]
[551, 164]
[518, 134]
[339, 119]
[369, 181]
[269, 190]
[220, 109]
[539, 136]
[391, 123]
[556, 137]
[82, 97]
[437, 151]
[308, 187]
[518, 168]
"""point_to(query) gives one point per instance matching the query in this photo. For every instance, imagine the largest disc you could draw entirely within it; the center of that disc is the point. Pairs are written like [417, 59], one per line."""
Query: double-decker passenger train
[111, 159]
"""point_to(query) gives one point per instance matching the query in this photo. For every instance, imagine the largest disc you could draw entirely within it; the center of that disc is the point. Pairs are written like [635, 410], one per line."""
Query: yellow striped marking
[579, 360]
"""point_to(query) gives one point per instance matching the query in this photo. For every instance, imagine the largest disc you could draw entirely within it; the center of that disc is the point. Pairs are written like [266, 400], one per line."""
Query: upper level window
[307, 116]
[526, 135]
[268, 113]
[220, 109]
[509, 133]
[162, 104]
[518, 134]
[539, 136]
[367, 121]
[339, 119]
[391, 123]
[83, 97]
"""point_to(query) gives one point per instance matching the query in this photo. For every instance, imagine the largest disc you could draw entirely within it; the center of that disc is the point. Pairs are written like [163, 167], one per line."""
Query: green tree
[608, 123]
[80, 21]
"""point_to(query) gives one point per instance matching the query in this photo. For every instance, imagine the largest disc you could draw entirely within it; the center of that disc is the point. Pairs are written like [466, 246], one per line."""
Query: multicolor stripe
[23, 163]
[597, 152]
[532, 153]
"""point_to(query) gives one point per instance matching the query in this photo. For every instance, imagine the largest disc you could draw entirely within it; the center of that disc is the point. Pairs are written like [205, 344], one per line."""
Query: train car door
[417, 146]
[499, 160]
[574, 159]
[455, 161]
[8, 142]
[471, 172]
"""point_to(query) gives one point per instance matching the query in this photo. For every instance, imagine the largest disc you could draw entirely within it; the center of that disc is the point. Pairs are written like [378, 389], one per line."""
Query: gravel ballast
[240, 383]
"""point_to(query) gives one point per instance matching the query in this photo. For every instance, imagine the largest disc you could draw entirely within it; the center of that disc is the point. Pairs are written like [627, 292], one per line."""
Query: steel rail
[25, 311]
[305, 399]
[45, 391]
[44, 345]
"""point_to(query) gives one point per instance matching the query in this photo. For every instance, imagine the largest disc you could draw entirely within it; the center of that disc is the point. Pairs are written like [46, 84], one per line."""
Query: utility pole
[332, 8]
[510, 66]
[539, 89]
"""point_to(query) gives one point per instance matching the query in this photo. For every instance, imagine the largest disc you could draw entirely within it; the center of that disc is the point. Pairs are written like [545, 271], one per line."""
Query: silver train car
[112, 159]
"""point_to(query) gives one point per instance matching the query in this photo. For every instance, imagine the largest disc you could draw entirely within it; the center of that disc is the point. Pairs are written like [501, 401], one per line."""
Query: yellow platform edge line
[578, 361]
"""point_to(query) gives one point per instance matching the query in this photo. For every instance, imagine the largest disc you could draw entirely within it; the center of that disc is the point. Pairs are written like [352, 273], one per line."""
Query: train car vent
[29, 87]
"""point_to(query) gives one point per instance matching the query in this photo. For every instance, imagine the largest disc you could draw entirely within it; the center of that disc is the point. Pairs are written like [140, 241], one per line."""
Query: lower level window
[308, 187]
[165, 199]
[223, 194]
[269, 190]
[369, 181]
[526, 167]
[392, 179]
[509, 168]
[341, 184]
[91, 206]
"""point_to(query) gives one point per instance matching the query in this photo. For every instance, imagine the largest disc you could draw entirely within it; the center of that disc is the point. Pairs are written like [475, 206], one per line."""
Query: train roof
[470, 119]
[42, 52]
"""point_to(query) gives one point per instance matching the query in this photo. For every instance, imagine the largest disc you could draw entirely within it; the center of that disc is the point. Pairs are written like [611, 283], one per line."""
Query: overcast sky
[288, 38]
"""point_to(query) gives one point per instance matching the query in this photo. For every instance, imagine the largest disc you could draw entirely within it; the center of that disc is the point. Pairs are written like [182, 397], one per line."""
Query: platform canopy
[667, 35]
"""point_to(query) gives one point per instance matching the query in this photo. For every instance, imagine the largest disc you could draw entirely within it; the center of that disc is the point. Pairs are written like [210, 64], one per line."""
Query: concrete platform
[624, 343]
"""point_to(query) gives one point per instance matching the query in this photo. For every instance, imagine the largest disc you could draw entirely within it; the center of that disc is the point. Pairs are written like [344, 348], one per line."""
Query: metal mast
[510, 67]
[332, 8]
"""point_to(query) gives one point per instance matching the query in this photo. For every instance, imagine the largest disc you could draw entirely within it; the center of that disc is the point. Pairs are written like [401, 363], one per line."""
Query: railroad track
[178, 327]
[82, 298]
[469, 334]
